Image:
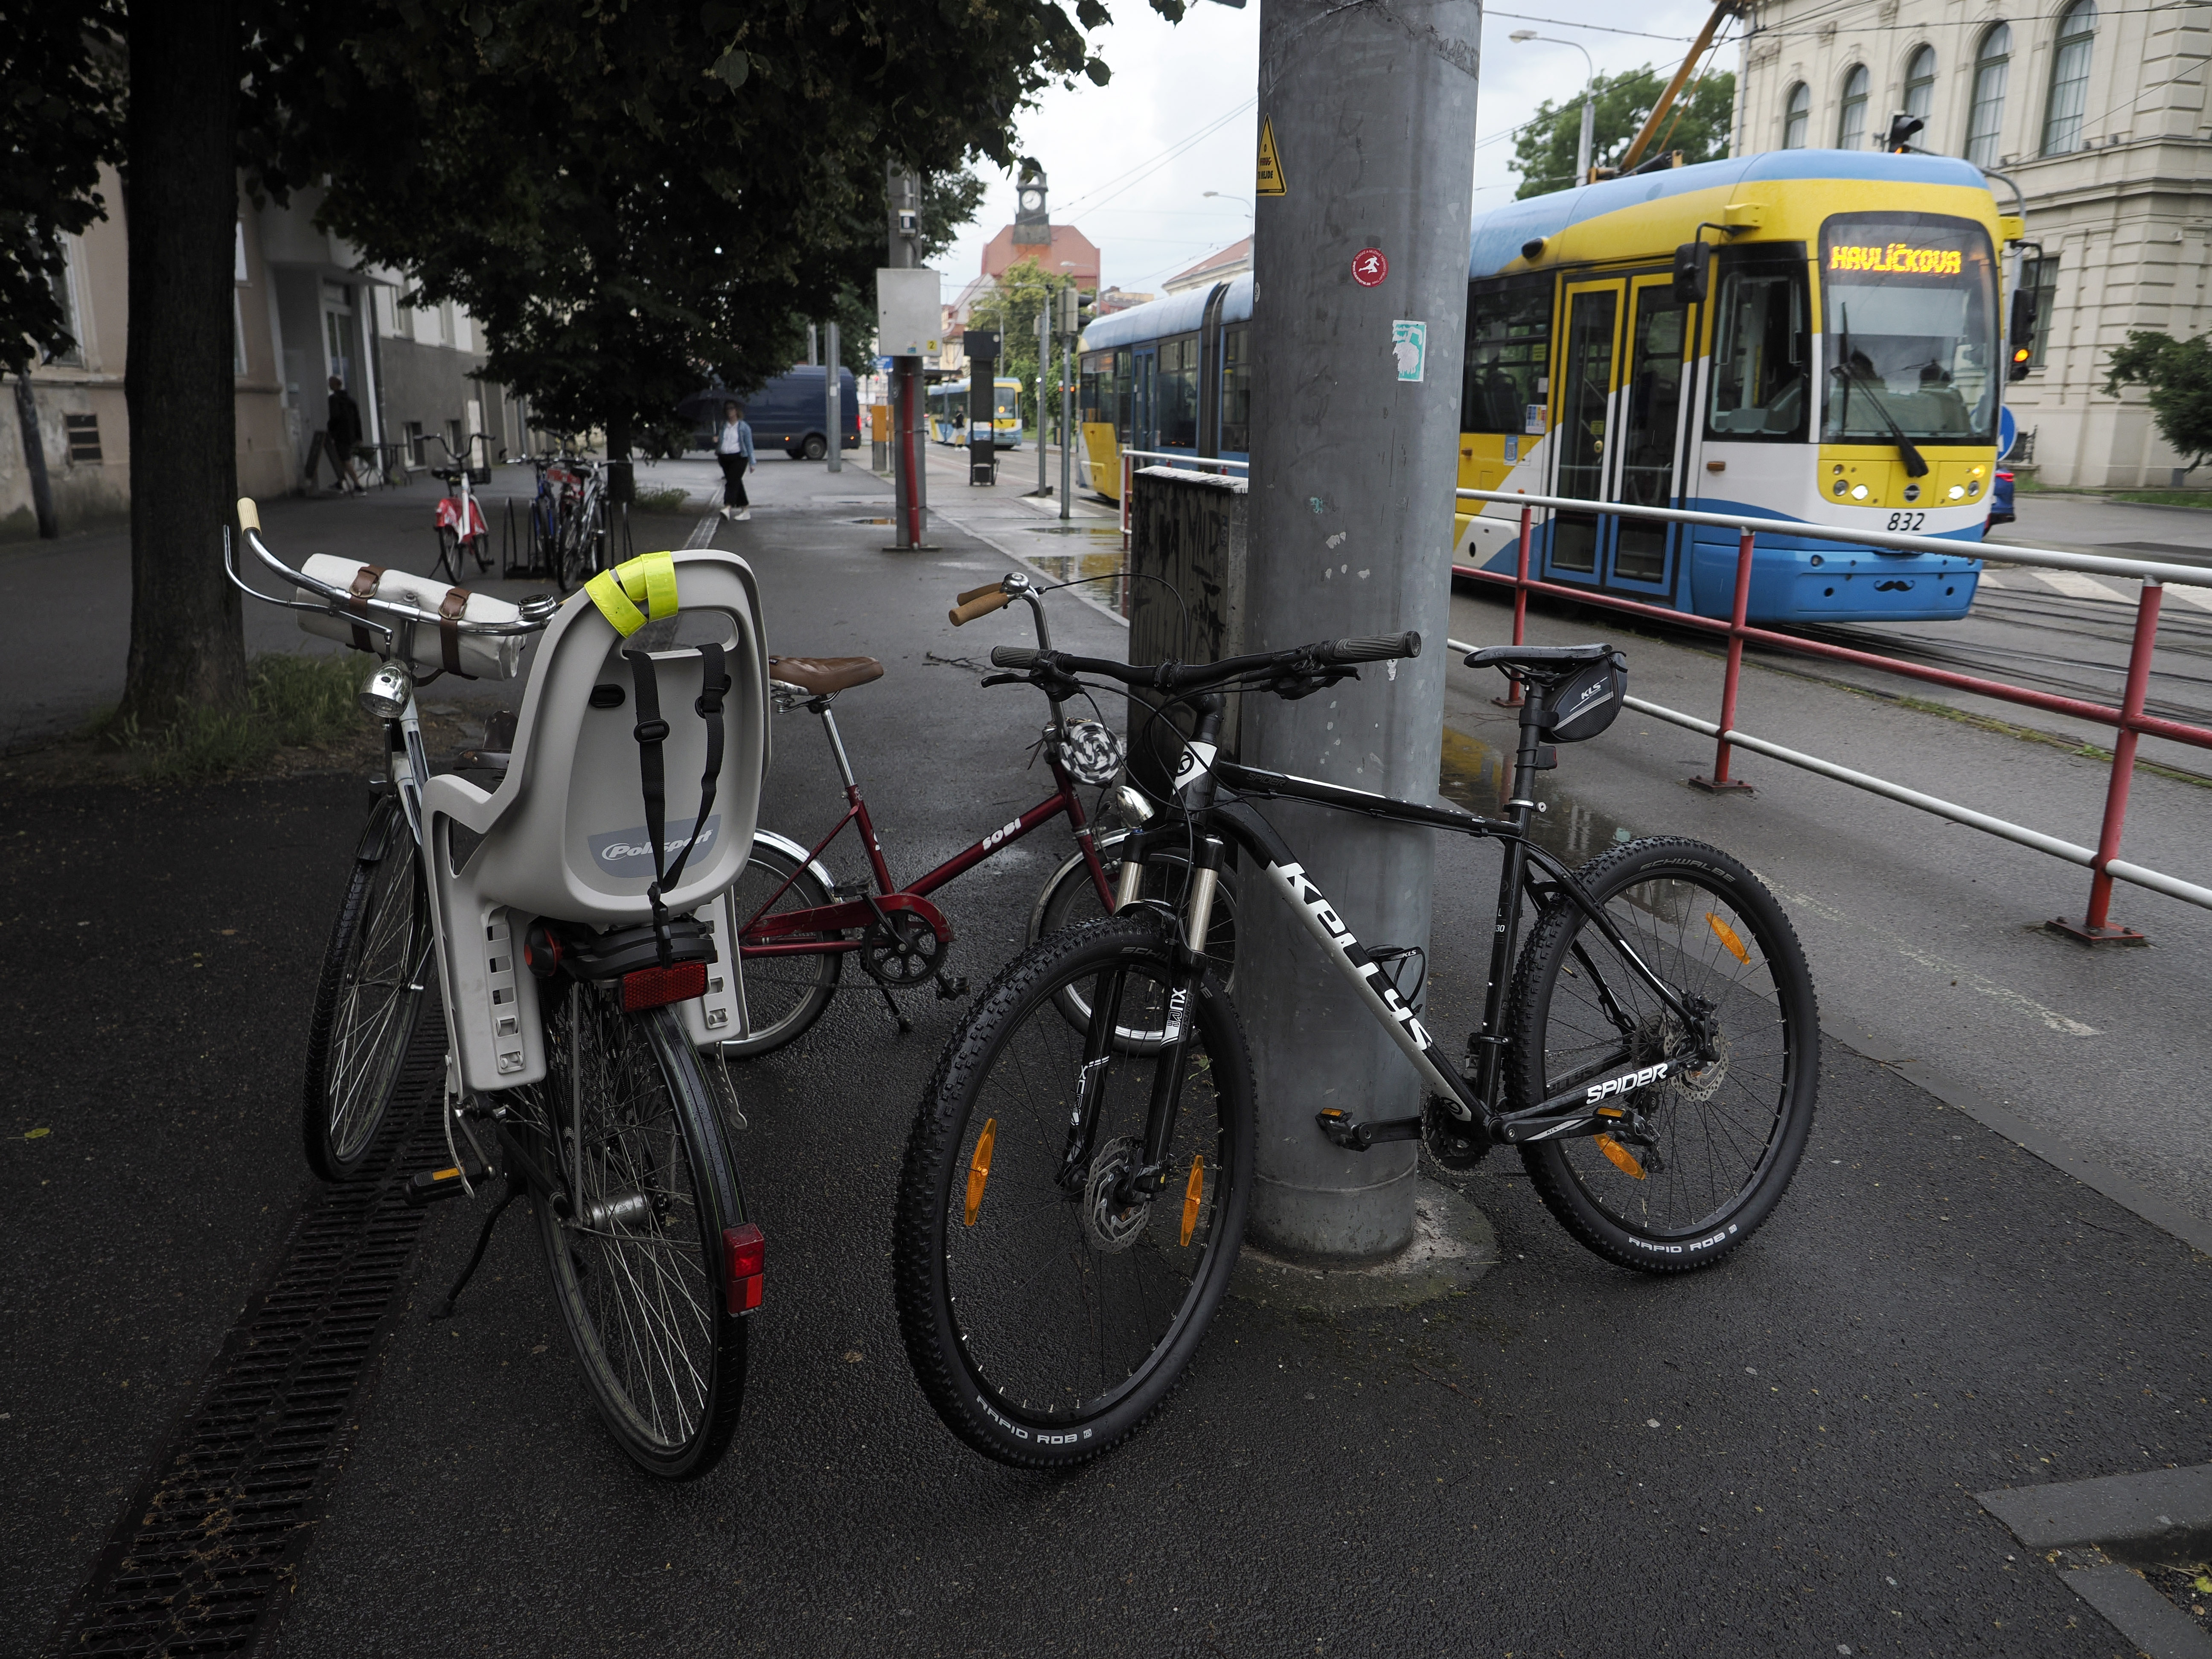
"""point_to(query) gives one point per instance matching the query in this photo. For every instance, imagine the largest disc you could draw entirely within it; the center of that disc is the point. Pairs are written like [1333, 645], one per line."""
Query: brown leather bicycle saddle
[823, 675]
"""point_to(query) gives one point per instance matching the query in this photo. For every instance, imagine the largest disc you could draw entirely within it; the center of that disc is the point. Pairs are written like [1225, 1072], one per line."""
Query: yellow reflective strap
[649, 576]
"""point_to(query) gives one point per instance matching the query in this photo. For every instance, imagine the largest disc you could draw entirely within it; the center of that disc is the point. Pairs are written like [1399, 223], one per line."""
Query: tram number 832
[1907, 521]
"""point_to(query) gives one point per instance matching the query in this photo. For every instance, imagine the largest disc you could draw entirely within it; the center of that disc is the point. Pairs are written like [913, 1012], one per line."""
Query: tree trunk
[187, 644]
[35, 456]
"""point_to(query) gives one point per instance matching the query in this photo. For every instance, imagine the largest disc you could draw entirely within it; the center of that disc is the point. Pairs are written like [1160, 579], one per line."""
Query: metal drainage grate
[200, 1559]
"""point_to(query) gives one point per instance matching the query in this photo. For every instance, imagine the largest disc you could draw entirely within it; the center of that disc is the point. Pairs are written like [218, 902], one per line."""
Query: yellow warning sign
[1270, 162]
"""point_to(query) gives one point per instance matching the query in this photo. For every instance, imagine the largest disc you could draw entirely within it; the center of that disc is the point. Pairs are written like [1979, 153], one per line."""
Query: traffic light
[2020, 335]
[1902, 130]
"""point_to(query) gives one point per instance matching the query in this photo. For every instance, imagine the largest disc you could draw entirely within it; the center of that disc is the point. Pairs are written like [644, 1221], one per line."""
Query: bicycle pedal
[949, 988]
[431, 1185]
[850, 890]
[1353, 1136]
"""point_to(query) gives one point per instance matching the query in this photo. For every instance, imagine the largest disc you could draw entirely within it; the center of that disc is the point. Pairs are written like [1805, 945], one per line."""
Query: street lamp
[1520, 37]
[1226, 197]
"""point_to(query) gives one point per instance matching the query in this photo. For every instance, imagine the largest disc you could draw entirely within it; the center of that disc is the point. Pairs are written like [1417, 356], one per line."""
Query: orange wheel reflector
[1622, 1158]
[979, 1168]
[1191, 1195]
[1728, 937]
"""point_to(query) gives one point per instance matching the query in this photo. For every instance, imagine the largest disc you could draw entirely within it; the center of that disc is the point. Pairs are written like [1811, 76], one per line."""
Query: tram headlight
[1858, 492]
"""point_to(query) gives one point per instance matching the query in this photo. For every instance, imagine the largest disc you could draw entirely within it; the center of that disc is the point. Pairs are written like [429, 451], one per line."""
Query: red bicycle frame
[765, 935]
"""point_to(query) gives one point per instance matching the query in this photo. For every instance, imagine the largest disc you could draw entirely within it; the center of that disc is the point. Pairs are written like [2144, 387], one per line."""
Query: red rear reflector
[653, 988]
[748, 1254]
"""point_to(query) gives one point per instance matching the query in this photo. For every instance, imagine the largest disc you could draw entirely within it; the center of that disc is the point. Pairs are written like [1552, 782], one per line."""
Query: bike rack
[2129, 719]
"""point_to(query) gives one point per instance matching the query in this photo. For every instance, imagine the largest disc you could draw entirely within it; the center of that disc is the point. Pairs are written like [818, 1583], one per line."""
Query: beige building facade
[2097, 114]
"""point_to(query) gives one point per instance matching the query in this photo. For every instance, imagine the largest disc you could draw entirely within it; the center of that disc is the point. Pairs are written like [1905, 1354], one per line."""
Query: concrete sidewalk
[1777, 1457]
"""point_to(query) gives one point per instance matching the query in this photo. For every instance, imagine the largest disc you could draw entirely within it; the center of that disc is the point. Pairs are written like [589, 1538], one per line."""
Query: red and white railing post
[1512, 697]
[2097, 927]
[1720, 779]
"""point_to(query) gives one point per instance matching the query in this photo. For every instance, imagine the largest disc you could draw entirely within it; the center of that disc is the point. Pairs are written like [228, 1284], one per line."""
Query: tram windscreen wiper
[1915, 465]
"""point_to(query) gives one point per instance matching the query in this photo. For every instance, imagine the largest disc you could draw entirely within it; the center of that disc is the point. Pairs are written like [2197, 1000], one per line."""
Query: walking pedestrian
[734, 449]
[341, 432]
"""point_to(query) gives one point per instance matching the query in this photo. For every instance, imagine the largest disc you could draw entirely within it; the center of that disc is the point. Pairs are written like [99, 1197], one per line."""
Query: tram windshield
[1909, 307]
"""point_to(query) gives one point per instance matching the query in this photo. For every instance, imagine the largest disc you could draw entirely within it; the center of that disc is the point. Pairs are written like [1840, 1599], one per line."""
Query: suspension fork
[1189, 957]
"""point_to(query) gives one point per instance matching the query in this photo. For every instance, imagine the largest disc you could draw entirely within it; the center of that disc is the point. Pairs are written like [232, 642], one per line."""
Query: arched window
[1985, 114]
[1920, 82]
[1797, 114]
[1850, 125]
[2069, 78]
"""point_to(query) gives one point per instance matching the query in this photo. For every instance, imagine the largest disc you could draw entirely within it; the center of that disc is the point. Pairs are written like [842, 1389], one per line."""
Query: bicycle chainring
[1110, 1229]
[902, 949]
[1452, 1141]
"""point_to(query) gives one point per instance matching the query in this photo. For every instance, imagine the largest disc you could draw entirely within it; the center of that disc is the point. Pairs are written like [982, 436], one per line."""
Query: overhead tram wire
[1101, 193]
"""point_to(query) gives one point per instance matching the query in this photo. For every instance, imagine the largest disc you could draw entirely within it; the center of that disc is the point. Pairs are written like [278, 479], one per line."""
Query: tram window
[1178, 393]
[1096, 388]
[1509, 338]
[1909, 321]
[1237, 390]
[1125, 368]
[1761, 354]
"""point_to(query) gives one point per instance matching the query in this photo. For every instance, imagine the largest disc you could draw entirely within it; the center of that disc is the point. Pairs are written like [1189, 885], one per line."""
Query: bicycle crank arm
[431, 1185]
[1355, 1137]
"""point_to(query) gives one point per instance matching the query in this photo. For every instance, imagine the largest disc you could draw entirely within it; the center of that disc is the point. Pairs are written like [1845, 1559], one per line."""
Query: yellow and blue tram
[1832, 355]
[948, 413]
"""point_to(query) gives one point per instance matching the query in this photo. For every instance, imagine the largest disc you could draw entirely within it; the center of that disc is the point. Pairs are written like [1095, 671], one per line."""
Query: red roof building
[1071, 254]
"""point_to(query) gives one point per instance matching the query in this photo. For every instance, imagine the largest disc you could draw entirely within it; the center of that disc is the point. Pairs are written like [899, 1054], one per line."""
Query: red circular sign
[1369, 267]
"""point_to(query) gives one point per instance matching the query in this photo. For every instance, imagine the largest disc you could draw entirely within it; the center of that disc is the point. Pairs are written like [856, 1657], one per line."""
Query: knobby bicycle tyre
[1070, 900]
[784, 994]
[1044, 1324]
[639, 1265]
[376, 975]
[1721, 1141]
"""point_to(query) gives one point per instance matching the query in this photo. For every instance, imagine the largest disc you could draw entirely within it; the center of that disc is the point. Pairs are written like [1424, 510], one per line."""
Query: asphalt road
[1775, 1457]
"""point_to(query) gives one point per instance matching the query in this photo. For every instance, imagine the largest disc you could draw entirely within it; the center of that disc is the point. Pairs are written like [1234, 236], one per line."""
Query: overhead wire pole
[1067, 332]
[908, 318]
[832, 397]
[1360, 250]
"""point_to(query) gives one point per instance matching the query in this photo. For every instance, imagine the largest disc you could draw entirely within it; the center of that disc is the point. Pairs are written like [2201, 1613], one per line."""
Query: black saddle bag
[1586, 702]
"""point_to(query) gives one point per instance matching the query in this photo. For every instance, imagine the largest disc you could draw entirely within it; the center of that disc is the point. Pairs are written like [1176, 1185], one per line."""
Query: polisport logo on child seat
[629, 852]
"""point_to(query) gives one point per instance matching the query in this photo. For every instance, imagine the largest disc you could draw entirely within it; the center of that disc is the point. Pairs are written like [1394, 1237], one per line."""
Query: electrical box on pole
[982, 348]
[909, 323]
[1361, 269]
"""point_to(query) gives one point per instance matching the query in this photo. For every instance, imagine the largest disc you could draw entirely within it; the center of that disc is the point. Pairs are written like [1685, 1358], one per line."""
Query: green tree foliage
[1697, 126]
[1023, 290]
[2178, 373]
[61, 118]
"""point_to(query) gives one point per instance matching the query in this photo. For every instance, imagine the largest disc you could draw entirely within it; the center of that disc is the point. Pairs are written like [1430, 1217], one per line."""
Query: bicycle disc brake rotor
[902, 949]
[1660, 1037]
[1112, 1229]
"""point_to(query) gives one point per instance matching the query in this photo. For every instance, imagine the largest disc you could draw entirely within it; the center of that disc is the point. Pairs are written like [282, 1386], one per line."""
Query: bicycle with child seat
[567, 932]
[1071, 1204]
[459, 520]
[796, 923]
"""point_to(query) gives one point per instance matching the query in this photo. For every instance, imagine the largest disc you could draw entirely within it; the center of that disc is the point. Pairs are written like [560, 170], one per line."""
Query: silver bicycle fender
[1102, 843]
[799, 855]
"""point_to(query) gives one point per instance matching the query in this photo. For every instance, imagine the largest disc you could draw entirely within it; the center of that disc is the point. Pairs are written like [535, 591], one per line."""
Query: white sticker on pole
[1410, 343]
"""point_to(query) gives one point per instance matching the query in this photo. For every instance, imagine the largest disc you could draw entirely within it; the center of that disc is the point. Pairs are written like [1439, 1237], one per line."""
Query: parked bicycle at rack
[1072, 1202]
[460, 523]
[563, 920]
[796, 924]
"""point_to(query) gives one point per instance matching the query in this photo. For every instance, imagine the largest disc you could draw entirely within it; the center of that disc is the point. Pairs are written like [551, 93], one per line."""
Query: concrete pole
[1044, 368]
[1582, 143]
[1067, 423]
[831, 398]
[1354, 465]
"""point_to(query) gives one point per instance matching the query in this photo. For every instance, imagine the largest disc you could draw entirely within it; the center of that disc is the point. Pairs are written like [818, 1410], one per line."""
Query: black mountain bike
[1074, 1189]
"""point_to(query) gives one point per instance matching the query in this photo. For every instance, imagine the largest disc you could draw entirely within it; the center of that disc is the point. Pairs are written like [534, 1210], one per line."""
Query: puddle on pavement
[1101, 572]
[1477, 777]
[1099, 530]
[867, 521]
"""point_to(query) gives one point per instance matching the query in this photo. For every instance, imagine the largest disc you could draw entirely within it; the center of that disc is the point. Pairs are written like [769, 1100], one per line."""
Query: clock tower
[1032, 219]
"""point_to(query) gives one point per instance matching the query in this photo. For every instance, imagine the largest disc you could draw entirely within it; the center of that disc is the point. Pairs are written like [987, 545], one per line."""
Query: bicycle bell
[1091, 753]
[538, 607]
[386, 692]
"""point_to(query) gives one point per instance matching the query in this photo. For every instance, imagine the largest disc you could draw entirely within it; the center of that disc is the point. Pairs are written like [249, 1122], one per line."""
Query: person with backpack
[341, 432]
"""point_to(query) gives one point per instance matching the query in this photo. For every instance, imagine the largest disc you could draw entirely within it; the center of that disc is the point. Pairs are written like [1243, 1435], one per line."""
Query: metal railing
[2129, 719]
[1192, 462]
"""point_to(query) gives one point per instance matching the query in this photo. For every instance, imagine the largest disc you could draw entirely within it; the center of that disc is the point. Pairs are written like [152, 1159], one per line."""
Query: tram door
[1617, 431]
[1144, 397]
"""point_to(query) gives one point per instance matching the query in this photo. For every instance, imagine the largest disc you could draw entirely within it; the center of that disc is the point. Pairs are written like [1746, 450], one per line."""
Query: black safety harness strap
[652, 732]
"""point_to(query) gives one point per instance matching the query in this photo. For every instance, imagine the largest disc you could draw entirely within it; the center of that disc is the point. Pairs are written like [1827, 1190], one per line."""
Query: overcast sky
[1128, 163]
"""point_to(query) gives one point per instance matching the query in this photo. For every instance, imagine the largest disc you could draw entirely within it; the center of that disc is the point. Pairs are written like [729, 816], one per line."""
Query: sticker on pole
[1410, 342]
[1269, 181]
[1369, 267]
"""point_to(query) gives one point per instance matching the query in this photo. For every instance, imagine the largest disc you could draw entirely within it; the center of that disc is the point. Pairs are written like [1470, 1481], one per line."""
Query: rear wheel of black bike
[449, 554]
[1046, 1315]
[1701, 1157]
[641, 1263]
[576, 549]
[784, 994]
[377, 974]
[1071, 898]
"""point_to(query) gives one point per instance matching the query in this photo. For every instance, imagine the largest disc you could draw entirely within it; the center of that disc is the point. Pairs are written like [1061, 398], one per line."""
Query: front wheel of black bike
[1698, 1158]
[1070, 899]
[642, 1252]
[1047, 1307]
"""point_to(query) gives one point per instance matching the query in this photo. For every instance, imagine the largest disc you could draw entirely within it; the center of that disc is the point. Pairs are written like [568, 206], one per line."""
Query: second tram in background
[948, 413]
[1808, 335]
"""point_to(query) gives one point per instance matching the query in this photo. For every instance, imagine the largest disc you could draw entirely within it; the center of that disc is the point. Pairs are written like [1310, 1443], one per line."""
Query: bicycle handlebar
[1176, 677]
[980, 602]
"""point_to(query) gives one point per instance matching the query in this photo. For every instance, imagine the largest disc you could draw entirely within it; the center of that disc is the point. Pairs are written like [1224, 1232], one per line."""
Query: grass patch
[2026, 485]
[2030, 734]
[292, 702]
[668, 499]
